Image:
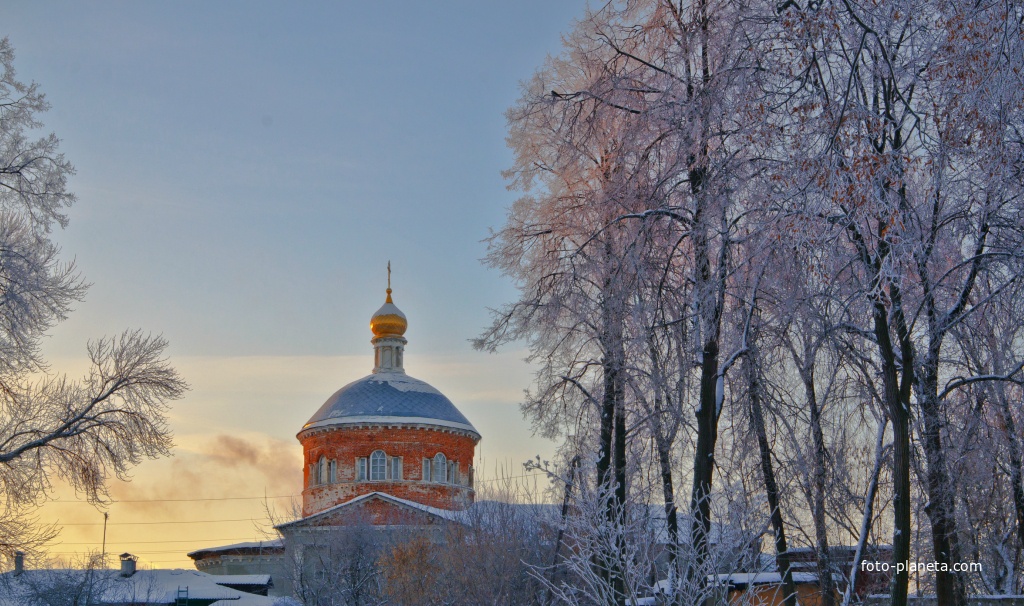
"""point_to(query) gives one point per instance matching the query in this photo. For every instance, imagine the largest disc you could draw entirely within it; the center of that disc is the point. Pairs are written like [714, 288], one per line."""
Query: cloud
[220, 467]
[279, 462]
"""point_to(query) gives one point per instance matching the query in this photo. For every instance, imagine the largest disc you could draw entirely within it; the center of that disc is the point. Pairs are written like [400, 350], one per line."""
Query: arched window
[321, 471]
[440, 470]
[378, 465]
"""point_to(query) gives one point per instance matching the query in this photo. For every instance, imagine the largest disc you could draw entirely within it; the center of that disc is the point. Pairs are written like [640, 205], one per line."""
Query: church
[385, 451]
[387, 439]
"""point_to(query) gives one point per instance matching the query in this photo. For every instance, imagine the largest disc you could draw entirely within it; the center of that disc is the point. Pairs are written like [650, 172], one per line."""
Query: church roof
[316, 518]
[389, 397]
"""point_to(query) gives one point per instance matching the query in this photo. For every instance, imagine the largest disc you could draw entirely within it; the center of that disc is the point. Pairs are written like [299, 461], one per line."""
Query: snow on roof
[255, 545]
[389, 397]
[452, 516]
[723, 535]
[745, 579]
[258, 600]
[109, 587]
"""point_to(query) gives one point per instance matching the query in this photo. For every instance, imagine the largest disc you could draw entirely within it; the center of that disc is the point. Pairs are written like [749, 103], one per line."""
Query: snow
[390, 420]
[453, 516]
[405, 383]
[145, 586]
[389, 309]
[274, 544]
[257, 600]
[764, 578]
[719, 394]
[389, 397]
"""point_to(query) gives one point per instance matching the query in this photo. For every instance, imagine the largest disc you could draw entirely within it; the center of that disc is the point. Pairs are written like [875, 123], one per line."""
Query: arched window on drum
[440, 471]
[321, 471]
[378, 466]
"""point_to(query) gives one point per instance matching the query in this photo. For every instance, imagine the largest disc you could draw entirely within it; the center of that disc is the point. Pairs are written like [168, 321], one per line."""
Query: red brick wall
[346, 444]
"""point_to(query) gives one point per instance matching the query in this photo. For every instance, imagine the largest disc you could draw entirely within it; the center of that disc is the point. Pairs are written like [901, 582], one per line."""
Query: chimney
[19, 562]
[127, 564]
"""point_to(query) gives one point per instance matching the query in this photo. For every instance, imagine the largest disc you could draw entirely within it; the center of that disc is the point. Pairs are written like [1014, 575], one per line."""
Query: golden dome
[389, 321]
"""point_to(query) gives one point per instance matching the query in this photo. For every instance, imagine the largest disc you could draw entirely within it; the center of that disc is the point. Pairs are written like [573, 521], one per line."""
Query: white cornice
[390, 421]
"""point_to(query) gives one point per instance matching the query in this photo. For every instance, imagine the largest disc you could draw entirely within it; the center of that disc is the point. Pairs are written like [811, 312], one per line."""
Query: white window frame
[426, 470]
[395, 469]
[378, 466]
[439, 470]
[332, 471]
[361, 467]
[321, 470]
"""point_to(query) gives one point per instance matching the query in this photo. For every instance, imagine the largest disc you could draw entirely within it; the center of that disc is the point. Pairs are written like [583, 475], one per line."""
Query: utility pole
[103, 553]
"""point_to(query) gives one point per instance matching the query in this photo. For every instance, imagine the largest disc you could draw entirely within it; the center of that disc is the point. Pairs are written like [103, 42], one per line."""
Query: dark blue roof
[389, 395]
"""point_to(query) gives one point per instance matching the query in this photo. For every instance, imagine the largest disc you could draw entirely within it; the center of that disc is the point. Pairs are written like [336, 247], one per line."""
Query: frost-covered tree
[630, 139]
[827, 194]
[904, 120]
[80, 431]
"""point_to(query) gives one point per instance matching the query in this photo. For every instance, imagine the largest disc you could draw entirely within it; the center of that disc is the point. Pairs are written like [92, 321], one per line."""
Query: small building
[247, 560]
[131, 587]
[765, 588]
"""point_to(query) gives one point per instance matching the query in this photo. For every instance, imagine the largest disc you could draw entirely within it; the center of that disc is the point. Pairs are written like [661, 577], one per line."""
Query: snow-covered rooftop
[143, 587]
[389, 397]
[746, 579]
[272, 545]
[452, 516]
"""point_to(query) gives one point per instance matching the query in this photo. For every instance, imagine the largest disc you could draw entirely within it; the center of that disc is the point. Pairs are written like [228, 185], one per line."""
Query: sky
[245, 171]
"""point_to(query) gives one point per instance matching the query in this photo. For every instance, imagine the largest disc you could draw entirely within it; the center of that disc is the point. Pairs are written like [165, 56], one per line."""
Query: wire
[284, 496]
[505, 478]
[176, 522]
[133, 552]
[129, 542]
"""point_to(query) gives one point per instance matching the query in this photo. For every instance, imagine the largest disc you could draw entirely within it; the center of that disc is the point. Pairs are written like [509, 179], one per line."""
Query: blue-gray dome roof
[389, 397]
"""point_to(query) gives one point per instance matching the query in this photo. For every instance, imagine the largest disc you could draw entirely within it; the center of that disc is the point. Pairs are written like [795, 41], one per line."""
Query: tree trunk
[704, 460]
[573, 466]
[898, 408]
[825, 581]
[1015, 464]
[869, 510]
[708, 293]
[752, 368]
[663, 445]
[949, 588]
[611, 464]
